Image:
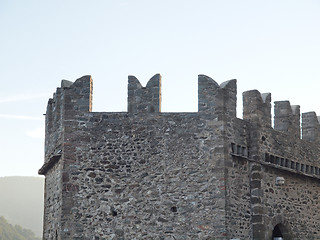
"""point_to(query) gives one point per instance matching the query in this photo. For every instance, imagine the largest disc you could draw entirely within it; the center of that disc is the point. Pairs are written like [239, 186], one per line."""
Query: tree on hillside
[9, 232]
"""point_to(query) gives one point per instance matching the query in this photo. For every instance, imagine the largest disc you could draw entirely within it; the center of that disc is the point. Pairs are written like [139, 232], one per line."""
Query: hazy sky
[271, 45]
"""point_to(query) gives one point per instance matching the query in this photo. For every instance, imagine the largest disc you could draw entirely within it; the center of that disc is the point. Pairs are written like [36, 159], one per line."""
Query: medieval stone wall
[149, 176]
[273, 155]
[295, 201]
[144, 174]
[237, 173]
[295, 204]
[52, 203]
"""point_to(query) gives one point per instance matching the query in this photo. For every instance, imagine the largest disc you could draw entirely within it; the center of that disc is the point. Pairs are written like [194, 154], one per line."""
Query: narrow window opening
[312, 169]
[272, 159]
[243, 152]
[239, 150]
[287, 163]
[307, 168]
[233, 148]
[297, 166]
[267, 157]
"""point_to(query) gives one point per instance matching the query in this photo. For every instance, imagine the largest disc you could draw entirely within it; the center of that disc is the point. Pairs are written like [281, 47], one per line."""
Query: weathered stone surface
[205, 175]
[287, 118]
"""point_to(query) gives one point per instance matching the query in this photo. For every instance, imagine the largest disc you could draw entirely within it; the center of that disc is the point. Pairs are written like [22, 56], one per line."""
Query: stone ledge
[277, 166]
[48, 165]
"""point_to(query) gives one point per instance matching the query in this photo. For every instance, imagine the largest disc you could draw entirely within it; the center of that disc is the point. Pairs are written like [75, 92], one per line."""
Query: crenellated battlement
[287, 118]
[257, 107]
[219, 100]
[144, 99]
[68, 100]
[71, 97]
[215, 100]
[311, 127]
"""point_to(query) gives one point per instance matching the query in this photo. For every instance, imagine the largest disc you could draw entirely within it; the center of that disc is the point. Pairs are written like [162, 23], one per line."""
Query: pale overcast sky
[269, 45]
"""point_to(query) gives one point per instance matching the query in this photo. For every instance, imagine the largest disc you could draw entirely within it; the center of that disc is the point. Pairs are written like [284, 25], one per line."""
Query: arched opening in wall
[56, 238]
[276, 233]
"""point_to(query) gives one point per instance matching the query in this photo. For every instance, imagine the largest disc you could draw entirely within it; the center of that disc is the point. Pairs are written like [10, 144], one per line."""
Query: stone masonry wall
[147, 177]
[281, 154]
[238, 206]
[69, 100]
[295, 204]
[255, 203]
[52, 167]
[52, 203]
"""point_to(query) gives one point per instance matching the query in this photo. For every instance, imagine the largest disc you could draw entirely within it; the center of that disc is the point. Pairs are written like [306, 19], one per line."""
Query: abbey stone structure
[144, 174]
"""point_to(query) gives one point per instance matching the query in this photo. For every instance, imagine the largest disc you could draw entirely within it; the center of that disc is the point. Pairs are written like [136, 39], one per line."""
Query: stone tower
[144, 174]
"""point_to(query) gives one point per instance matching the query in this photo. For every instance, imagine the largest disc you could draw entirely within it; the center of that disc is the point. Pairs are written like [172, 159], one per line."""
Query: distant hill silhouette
[21, 202]
[10, 232]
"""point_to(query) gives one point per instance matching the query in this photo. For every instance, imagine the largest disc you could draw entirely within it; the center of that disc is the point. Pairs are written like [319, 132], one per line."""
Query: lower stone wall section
[160, 179]
[52, 203]
[297, 201]
[238, 199]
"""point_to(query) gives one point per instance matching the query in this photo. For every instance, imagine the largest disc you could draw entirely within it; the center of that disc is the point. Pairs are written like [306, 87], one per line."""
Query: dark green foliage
[10, 232]
[21, 201]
